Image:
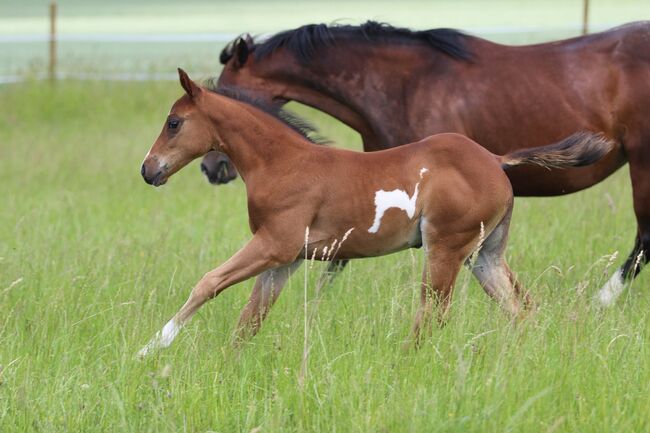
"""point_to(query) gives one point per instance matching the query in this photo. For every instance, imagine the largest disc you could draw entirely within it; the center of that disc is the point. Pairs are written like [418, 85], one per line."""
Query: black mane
[305, 41]
[293, 121]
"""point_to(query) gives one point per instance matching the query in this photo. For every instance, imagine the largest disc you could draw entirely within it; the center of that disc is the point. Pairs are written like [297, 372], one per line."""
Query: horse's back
[450, 155]
[456, 150]
[464, 164]
[469, 178]
[634, 45]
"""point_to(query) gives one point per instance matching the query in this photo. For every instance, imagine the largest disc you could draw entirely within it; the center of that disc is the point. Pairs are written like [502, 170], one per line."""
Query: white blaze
[398, 198]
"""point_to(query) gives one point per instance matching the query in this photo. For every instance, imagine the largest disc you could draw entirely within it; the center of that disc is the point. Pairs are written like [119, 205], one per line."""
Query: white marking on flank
[162, 338]
[398, 198]
[611, 290]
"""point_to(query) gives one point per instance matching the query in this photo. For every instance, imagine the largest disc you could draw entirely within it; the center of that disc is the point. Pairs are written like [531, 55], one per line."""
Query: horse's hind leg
[267, 288]
[493, 273]
[639, 158]
[438, 279]
[334, 268]
[442, 264]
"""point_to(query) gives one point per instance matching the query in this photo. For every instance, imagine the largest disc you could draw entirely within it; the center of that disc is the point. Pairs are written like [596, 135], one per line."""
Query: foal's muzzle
[153, 176]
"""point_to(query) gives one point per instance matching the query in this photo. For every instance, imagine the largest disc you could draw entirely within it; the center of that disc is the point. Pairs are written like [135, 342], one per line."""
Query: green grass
[93, 262]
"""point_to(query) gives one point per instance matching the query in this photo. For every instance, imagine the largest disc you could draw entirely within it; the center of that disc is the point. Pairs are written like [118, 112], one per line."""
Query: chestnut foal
[444, 193]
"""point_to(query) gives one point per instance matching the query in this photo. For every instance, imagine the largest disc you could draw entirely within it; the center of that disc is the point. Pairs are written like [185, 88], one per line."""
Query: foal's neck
[251, 138]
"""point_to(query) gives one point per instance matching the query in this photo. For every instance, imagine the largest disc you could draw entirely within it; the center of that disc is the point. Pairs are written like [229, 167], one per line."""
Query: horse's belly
[398, 233]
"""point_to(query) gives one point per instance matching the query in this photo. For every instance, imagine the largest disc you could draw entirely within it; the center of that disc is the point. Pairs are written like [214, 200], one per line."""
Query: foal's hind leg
[267, 288]
[441, 268]
[492, 271]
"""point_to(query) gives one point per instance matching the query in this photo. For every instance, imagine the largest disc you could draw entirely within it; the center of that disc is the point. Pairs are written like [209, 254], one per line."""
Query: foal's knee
[208, 285]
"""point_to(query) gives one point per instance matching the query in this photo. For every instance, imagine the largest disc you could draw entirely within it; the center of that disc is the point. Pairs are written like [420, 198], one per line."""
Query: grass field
[93, 262]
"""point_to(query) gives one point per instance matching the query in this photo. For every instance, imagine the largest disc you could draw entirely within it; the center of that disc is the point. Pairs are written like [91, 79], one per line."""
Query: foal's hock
[444, 193]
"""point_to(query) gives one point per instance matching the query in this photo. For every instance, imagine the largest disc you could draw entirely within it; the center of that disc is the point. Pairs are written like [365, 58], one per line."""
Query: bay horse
[395, 86]
[444, 193]
[217, 168]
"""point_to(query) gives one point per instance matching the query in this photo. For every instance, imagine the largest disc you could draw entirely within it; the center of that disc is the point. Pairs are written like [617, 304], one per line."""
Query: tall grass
[93, 261]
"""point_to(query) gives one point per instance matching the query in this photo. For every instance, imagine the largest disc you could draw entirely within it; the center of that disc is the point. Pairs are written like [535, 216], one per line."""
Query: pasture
[93, 262]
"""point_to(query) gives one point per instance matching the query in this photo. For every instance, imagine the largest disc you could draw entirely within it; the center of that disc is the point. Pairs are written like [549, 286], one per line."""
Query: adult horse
[444, 193]
[395, 86]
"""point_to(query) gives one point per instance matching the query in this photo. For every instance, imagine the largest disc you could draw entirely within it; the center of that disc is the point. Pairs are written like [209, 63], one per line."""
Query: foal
[443, 193]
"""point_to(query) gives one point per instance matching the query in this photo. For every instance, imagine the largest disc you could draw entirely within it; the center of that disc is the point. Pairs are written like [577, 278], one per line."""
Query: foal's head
[186, 135]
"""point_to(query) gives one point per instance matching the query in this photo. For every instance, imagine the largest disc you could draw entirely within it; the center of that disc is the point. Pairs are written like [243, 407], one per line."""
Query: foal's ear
[190, 86]
[242, 50]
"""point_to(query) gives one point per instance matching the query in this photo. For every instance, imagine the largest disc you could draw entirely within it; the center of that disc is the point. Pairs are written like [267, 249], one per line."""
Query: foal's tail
[577, 150]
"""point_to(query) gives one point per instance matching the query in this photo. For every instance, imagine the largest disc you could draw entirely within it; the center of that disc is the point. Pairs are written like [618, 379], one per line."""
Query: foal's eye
[173, 123]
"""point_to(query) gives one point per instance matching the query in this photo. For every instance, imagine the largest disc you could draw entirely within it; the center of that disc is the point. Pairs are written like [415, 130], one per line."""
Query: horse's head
[259, 76]
[239, 70]
[218, 168]
[324, 67]
[186, 135]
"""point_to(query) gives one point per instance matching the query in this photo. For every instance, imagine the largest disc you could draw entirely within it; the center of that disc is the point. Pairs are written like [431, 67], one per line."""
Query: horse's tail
[577, 150]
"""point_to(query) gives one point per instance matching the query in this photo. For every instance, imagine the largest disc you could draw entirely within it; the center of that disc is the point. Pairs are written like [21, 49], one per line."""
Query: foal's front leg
[255, 257]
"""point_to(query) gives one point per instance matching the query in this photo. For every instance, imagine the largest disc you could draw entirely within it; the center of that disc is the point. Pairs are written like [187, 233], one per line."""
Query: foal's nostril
[142, 170]
[204, 169]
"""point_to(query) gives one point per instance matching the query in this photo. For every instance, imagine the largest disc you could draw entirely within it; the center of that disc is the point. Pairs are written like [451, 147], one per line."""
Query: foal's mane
[292, 120]
[305, 41]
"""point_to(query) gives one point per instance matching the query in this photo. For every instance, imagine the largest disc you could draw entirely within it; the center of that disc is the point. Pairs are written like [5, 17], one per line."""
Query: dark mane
[305, 41]
[293, 121]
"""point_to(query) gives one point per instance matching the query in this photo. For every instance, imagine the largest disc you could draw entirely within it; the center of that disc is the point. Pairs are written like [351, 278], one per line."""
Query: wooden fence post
[585, 17]
[51, 71]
